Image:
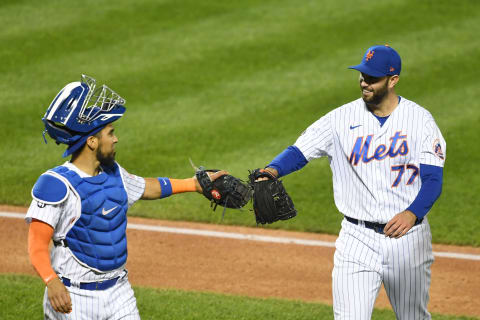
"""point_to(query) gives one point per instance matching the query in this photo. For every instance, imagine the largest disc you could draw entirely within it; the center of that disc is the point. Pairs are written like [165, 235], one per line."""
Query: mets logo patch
[369, 55]
[437, 149]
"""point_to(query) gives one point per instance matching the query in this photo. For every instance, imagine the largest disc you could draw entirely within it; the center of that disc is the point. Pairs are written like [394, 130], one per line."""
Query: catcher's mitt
[226, 191]
[270, 199]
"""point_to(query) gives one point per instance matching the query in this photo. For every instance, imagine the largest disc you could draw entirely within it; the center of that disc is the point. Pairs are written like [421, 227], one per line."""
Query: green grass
[26, 294]
[231, 84]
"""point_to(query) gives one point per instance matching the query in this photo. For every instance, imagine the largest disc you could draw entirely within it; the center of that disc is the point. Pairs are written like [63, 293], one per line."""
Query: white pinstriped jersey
[62, 217]
[375, 168]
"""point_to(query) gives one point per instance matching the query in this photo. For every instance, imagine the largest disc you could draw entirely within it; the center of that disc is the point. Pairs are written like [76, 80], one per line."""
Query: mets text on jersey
[361, 148]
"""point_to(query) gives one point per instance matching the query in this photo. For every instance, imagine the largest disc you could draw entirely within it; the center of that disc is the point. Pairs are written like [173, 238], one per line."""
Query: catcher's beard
[106, 160]
[377, 96]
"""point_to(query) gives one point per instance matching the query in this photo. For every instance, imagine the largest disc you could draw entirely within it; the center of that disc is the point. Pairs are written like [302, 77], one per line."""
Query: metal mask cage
[98, 100]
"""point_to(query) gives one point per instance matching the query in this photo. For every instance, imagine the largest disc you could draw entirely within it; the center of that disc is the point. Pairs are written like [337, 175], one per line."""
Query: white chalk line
[251, 237]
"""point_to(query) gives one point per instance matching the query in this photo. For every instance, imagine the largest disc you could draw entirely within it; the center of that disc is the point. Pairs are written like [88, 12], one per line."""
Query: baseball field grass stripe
[251, 237]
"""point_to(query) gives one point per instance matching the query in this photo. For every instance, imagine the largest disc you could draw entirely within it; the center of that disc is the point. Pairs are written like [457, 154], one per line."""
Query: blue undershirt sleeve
[290, 160]
[432, 179]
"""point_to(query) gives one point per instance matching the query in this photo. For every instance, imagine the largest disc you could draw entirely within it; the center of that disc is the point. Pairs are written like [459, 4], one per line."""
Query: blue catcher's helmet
[80, 110]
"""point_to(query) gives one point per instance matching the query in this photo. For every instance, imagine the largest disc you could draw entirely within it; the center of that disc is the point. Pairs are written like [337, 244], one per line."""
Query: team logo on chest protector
[361, 148]
[98, 237]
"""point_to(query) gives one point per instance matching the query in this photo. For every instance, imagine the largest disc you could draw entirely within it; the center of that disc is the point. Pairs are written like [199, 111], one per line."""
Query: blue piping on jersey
[432, 180]
[290, 160]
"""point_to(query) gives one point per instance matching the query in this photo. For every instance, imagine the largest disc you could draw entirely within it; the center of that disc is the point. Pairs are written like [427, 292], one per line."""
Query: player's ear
[393, 80]
[92, 142]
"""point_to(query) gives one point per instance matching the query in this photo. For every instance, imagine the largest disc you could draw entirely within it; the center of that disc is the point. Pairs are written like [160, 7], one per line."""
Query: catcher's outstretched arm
[157, 188]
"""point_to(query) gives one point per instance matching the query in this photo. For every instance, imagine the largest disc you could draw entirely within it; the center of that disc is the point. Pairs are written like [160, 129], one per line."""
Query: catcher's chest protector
[98, 238]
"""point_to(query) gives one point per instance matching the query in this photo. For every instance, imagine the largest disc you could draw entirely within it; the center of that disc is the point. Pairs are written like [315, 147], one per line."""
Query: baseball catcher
[226, 191]
[82, 206]
[271, 201]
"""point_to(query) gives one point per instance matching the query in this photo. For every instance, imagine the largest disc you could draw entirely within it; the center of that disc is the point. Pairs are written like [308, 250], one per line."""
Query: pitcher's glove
[270, 199]
[226, 191]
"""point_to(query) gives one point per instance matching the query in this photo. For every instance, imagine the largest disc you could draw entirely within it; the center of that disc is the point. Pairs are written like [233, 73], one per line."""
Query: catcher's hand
[270, 199]
[226, 191]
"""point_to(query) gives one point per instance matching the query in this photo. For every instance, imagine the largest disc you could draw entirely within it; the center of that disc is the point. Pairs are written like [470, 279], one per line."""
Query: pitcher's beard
[377, 97]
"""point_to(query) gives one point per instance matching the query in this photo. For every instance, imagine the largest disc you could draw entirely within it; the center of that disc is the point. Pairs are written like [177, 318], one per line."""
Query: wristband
[165, 186]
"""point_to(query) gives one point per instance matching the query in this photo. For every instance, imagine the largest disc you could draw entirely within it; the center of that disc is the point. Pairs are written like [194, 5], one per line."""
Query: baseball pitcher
[387, 155]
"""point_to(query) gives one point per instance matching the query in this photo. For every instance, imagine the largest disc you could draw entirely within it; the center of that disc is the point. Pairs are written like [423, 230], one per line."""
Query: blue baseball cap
[380, 61]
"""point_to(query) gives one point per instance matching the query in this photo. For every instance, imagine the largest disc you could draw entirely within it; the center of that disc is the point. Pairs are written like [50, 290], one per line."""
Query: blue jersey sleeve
[432, 180]
[290, 160]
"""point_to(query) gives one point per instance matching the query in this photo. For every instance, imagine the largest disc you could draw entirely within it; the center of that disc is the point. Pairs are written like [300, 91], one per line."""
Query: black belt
[99, 285]
[377, 227]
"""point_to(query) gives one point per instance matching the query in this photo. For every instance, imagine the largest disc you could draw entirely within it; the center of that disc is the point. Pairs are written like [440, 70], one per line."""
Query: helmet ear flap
[59, 134]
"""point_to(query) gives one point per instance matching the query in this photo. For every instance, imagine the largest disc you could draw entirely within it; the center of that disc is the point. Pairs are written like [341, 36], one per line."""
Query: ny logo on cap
[369, 55]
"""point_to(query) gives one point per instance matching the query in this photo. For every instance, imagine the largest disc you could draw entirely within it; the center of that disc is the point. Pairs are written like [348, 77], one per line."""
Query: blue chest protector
[98, 238]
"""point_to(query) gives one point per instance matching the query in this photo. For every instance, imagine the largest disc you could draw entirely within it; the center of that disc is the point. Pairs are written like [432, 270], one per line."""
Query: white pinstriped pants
[117, 302]
[364, 259]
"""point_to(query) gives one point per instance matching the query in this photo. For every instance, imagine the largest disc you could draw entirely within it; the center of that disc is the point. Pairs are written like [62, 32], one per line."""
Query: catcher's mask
[80, 110]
